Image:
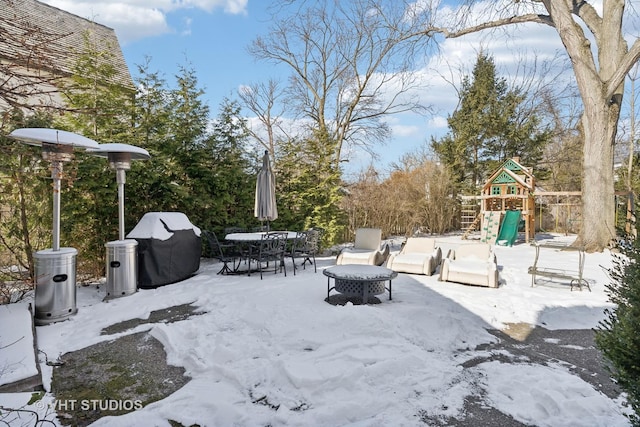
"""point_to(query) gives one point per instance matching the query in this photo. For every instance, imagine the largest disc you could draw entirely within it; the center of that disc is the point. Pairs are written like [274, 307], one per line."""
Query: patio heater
[122, 265]
[55, 268]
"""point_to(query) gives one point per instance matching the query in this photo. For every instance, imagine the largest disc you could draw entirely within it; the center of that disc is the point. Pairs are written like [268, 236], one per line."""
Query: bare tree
[351, 65]
[261, 99]
[600, 64]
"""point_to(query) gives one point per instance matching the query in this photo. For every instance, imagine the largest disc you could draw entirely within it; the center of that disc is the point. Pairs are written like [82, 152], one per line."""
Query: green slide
[509, 228]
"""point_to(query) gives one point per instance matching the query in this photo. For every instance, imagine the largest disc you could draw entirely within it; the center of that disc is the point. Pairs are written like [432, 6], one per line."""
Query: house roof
[39, 36]
[512, 169]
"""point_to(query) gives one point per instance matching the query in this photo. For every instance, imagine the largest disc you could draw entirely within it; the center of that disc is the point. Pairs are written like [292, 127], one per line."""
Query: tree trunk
[601, 103]
[598, 201]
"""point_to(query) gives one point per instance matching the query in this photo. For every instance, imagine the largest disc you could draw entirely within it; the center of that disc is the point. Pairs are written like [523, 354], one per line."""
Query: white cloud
[187, 26]
[403, 131]
[438, 122]
[137, 19]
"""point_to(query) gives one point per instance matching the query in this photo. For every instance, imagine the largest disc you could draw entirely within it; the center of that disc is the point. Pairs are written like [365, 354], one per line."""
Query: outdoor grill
[55, 268]
[121, 259]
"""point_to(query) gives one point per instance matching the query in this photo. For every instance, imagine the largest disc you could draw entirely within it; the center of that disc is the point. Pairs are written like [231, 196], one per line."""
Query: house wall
[40, 45]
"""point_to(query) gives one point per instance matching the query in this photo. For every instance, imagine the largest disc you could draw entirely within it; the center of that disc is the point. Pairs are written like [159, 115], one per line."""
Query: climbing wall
[490, 226]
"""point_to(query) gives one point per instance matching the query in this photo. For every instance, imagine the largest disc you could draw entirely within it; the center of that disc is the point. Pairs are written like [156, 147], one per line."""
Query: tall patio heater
[55, 268]
[122, 262]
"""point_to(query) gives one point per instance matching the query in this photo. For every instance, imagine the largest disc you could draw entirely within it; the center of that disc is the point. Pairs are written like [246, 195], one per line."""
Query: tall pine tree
[227, 180]
[309, 186]
[488, 127]
[99, 108]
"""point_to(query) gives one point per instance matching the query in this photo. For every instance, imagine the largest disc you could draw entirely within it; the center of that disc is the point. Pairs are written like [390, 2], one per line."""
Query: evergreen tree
[150, 181]
[226, 178]
[171, 125]
[100, 106]
[25, 195]
[617, 335]
[202, 172]
[184, 147]
[309, 187]
[99, 109]
[488, 127]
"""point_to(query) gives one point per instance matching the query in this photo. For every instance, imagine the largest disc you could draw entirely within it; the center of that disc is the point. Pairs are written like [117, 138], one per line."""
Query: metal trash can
[122, 268]
[55, 296]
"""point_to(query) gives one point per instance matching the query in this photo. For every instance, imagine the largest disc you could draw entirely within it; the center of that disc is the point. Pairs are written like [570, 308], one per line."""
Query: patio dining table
[246, 243]
[254, 237]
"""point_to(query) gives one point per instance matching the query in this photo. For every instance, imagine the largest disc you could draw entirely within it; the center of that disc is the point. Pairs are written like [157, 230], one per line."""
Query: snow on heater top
[38, 136]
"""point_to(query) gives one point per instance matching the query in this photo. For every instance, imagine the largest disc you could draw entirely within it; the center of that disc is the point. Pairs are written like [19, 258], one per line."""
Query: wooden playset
[509, 189]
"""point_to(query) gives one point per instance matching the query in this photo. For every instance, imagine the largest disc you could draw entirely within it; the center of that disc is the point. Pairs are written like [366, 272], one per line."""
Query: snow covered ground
[351, 365]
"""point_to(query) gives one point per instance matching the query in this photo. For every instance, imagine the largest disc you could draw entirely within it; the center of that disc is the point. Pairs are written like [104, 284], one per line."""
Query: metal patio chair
[305, 247]
[223, 252]
[272, 248]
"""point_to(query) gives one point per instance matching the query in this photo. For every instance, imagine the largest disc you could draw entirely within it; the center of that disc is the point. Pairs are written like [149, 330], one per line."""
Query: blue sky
[212, 36]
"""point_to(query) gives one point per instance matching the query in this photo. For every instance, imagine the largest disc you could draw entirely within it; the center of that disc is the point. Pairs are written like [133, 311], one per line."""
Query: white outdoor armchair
[473, 264]
[366, 249]
[419, 255]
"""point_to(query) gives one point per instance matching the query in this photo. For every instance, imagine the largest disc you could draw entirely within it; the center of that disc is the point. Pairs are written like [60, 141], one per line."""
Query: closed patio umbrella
[265, 205]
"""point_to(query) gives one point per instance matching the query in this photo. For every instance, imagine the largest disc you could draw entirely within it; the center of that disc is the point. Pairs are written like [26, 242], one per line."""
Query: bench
[574, 277]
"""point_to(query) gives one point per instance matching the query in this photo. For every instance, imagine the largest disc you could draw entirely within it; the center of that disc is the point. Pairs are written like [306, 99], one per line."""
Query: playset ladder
[472, 227]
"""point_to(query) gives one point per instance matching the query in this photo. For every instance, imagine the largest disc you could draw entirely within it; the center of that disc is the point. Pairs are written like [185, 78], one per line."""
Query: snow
[159, 225]
[277, 341]
[18, 363]
[360, 272]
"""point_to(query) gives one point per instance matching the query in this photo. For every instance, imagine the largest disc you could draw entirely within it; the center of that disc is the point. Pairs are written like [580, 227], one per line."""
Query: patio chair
[366, 249]
[305, 246]
[223, 252]
[473, 264]
[419, 255]
[272, 248]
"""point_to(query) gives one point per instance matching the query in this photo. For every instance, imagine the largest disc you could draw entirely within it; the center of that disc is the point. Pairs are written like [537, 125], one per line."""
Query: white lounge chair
[473, 264]
[366, 249]
[419, 255]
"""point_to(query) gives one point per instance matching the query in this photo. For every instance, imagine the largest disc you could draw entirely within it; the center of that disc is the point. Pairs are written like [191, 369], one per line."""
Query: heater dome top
[135, 153]
[39, 136]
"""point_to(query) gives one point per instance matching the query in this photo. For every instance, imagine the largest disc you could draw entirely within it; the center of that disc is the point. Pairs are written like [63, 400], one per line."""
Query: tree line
[203, 166]
[206, 167]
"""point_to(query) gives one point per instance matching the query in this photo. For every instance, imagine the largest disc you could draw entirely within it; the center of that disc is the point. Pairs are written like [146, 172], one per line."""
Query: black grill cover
[169, 248]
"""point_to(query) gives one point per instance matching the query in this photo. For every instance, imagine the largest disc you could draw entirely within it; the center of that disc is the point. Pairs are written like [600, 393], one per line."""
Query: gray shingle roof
[40, 36]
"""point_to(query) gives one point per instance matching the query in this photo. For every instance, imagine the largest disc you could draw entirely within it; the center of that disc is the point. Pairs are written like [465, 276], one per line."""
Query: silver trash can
[55, 296]
[122, 268]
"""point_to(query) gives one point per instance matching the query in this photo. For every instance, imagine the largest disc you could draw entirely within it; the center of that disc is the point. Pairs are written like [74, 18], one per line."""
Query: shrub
[617, 335]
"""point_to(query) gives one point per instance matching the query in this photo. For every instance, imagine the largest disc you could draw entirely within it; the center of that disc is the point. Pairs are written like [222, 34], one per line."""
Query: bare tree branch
[350, 65]
[627, 63]
[536, 18]
[261, 99]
